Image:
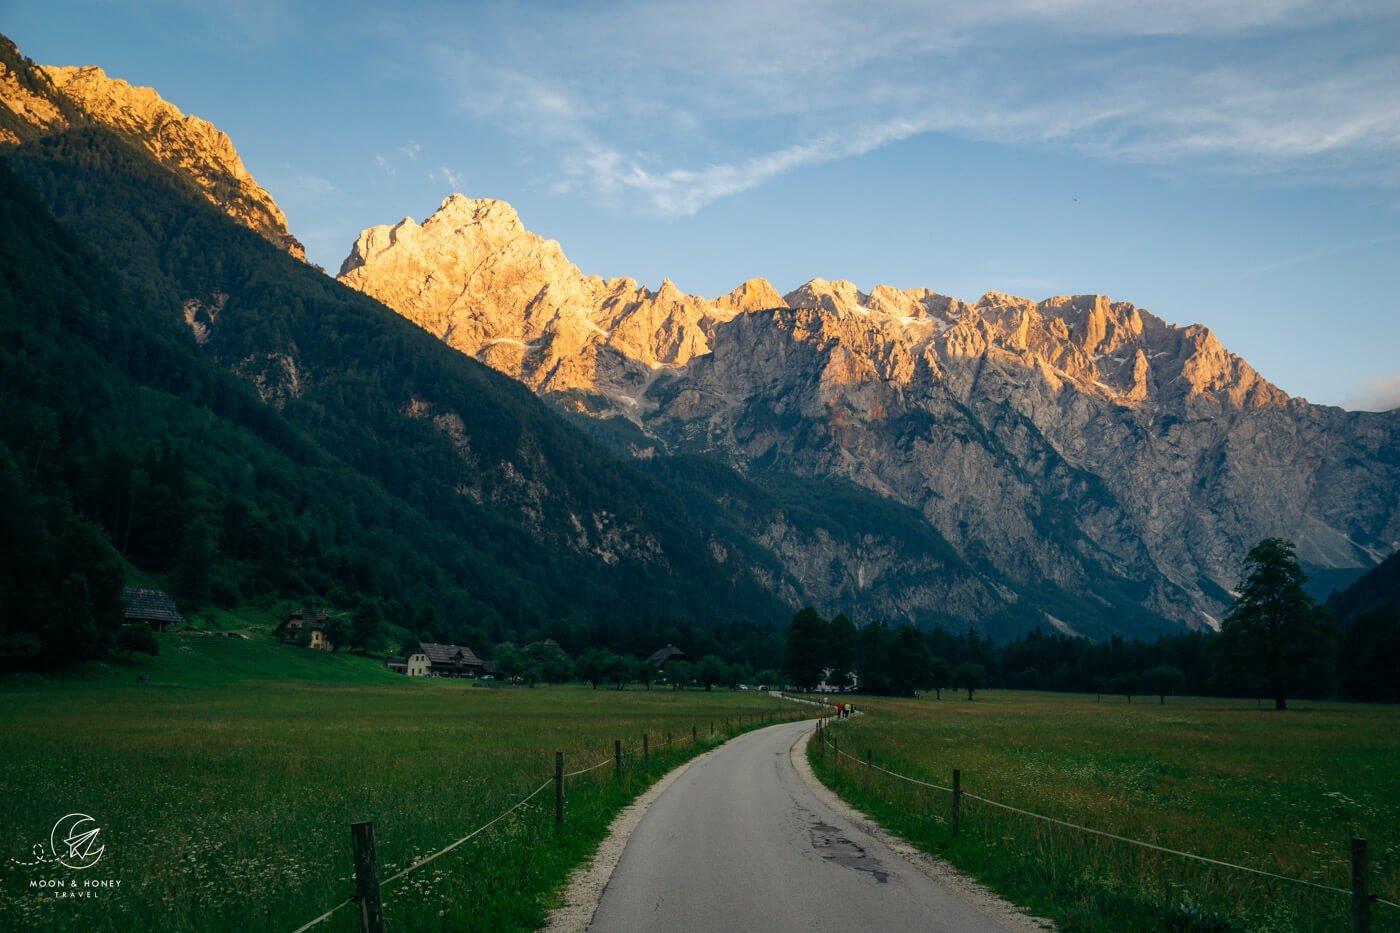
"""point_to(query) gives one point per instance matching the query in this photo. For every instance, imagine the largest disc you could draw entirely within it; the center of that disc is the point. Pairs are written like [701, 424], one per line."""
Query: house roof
[660, 657]
[149, 605]
[449, 654]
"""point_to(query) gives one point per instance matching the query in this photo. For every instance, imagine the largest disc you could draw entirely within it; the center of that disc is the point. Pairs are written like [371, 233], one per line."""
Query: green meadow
[1279, 792]
[225, 784]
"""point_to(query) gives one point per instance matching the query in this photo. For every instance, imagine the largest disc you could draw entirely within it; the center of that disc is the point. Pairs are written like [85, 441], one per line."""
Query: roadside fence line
[324, 916]
[372, 919]
[605, 761]
[868, 763]
[443, 851]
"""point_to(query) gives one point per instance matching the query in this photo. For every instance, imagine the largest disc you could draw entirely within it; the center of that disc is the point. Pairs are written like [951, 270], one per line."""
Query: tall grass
[1279, 792]
[226, 806]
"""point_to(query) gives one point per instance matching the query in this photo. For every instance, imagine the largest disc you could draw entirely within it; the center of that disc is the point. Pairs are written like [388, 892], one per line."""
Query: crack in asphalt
[835, 847]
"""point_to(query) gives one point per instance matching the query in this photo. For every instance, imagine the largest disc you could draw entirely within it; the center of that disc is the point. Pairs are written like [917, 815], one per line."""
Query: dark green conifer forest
[314, 446]
[124, 441]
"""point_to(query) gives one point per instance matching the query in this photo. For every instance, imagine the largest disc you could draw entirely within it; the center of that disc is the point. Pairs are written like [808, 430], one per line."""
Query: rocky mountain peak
[840, 296]
[474, 274]
[495, 218]
[988, 417]
[30, 98]
[753, 295]
[198, 148]
[41, 98]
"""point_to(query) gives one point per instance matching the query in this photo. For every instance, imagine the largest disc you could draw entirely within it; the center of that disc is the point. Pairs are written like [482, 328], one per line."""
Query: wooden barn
[154, 607]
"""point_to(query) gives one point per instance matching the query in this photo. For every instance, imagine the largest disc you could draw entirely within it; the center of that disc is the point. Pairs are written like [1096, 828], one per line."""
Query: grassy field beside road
[224, 786]
[1281, 792]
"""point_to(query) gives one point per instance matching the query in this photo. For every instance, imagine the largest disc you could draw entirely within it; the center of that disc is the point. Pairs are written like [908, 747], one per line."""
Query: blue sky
[1231, 163]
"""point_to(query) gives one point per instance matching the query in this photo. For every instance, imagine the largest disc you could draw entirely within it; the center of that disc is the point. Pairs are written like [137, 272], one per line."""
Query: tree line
[1276, 642]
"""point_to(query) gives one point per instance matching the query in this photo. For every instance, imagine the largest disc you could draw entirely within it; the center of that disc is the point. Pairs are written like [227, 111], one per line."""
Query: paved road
[739, 842]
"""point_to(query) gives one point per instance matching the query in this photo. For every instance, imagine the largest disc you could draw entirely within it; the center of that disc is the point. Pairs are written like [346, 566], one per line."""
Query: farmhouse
[415, 665]
[310, 625]
[659, 658]
[297, 618]
[154, 607]
[451, 660]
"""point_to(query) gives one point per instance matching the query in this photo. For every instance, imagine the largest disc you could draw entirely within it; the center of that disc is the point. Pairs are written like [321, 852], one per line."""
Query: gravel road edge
[967, 889]
[588, 882]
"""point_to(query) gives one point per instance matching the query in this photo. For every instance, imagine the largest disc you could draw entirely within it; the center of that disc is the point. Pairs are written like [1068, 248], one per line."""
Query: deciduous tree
[136, 637]
[940, 674]
[680, 673]
[1163, 679]
[969, 677]
[712, 671]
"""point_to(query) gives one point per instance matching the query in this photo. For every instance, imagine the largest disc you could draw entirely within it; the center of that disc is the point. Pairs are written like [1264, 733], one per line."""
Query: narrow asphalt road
[740, 842]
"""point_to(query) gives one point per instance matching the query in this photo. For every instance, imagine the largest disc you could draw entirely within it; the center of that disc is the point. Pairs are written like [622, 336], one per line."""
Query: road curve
[741, 842]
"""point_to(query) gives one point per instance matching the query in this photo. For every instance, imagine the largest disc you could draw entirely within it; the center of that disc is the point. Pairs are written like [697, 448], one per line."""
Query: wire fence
[958, 794]
[629, 753]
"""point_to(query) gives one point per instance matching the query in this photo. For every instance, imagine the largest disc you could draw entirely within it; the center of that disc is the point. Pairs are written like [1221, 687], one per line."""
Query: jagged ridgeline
[1076, 463]
[359, 457]
[1075, 446]
[38, 99]
[307, 440]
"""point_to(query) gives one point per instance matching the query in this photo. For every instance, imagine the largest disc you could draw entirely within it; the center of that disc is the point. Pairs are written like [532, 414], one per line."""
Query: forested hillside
[181, 393]
[1369, 613]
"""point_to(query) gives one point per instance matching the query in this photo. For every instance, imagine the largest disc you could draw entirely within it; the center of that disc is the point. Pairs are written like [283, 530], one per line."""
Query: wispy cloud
[705, 101]
[385, 166]
[681, 192]
[1376, 393]
[453, 178]
[411, 150]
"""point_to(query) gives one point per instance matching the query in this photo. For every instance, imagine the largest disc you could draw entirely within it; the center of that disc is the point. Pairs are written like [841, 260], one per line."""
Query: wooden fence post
[367, 878]
[957, 800]
[646, 749]
[668, 739]
[836, 753]
[559, 788]
[869, 756]
[693, 739]
[1360, 897]
[617, 757]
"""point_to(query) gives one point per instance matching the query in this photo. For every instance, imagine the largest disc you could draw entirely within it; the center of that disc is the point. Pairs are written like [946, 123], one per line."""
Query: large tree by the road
[807, 648]
[911, 663]
[841, 649]
[1274, 632]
